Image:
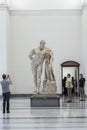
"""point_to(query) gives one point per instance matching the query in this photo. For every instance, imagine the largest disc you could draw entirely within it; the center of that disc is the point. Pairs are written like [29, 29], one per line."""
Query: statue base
[43, 100]
[49, 87]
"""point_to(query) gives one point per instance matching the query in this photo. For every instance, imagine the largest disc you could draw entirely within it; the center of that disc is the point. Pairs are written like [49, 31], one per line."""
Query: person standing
[6, 92]
[69, 87]
[81, 87]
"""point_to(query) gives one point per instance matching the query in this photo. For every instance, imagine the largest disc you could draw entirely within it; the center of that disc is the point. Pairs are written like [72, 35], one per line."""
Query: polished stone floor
[69, 116]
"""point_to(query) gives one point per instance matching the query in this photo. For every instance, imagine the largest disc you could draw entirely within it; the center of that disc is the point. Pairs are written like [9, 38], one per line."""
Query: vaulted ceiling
[43, 4]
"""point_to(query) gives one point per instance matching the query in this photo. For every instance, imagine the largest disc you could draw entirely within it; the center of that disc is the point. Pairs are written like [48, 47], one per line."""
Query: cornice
[45, 12]
[50, 12]
[4, 7]
[84, 6]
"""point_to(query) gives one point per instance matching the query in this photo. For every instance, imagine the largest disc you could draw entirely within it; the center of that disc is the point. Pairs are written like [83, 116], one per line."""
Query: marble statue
[38, 56]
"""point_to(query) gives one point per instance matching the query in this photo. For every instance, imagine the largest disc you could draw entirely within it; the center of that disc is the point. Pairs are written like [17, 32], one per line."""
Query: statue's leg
[39, 72]
[52, 73]
[45, 78]
[34, 71]
[46, 72]
[35, 81]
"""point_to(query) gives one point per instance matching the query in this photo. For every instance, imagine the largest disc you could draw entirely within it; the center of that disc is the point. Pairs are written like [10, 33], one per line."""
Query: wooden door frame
[69, 63]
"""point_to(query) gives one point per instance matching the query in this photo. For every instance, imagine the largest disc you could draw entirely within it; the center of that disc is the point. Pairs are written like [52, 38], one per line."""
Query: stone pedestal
[41, 100]
[49, 87]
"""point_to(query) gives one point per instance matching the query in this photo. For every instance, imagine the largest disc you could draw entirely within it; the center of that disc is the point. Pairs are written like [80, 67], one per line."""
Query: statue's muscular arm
[31, 54]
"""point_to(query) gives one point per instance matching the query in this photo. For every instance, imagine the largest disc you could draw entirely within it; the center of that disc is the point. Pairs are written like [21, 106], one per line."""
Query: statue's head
[42, 44]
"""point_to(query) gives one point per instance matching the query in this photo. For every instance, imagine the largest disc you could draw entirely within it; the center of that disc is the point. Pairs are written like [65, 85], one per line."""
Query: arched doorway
[71, 67]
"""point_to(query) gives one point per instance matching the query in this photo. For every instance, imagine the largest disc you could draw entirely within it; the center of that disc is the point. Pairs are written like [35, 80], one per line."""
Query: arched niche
[71, 67]
[70, 64]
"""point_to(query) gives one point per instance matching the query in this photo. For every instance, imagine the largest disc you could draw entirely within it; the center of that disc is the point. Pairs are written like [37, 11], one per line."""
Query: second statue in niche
[38, 56]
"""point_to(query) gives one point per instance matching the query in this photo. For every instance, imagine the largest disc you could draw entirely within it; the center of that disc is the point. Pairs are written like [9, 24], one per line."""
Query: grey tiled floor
[69, 116]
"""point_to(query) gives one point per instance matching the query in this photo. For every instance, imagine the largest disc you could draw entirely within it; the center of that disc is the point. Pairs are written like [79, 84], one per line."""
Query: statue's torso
[39, 55]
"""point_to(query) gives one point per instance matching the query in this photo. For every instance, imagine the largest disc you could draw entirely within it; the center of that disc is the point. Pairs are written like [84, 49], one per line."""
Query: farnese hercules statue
[38, 56]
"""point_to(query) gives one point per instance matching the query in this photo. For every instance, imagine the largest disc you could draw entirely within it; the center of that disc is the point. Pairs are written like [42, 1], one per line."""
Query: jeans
[6, 98]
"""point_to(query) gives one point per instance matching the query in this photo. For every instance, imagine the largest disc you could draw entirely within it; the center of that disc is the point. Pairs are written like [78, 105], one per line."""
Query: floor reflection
[23, 117]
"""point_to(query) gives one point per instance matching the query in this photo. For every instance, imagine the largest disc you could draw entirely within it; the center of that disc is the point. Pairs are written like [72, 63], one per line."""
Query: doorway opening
[71, 67]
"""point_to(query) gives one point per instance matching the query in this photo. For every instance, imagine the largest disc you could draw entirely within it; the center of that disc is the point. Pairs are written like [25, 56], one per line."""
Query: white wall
[63, 34]
[85, 1]
[84, 32]
[4, 35]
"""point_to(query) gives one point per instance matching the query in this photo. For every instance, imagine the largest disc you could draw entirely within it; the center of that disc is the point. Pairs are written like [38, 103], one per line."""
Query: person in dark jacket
[81, 87]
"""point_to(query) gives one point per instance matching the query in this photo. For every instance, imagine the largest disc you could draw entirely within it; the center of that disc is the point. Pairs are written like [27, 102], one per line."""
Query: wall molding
[44, 12]
[4, 7]
[84, 7]
[49, 12]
